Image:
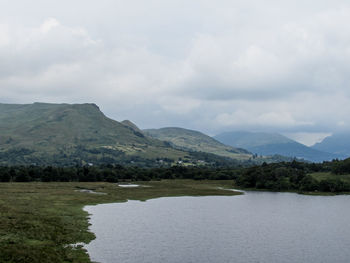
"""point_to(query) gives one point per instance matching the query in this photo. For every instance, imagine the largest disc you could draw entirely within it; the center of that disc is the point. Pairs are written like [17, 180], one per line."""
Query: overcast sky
[213, 66]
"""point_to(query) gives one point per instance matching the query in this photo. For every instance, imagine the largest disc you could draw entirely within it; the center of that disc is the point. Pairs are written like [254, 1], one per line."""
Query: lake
[255, 227]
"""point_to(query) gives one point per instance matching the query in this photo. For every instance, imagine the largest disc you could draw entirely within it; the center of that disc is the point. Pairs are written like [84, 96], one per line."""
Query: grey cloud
[198, 64]
[33, 50]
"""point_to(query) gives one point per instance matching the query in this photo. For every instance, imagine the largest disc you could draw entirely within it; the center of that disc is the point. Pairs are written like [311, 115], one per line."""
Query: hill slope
[190, 140]
[131, 125]
[44, 133]
[272, 143]
[337, 143]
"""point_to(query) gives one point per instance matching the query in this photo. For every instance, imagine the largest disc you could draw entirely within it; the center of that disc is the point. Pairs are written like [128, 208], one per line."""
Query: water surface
[256, 227]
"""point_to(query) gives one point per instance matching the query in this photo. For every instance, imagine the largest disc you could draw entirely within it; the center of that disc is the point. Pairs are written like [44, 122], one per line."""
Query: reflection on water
[255, 227]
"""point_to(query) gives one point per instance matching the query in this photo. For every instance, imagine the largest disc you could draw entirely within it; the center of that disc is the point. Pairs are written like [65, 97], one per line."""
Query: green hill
[80, 134]
[66, 134]
[190, 140]
[131, 125]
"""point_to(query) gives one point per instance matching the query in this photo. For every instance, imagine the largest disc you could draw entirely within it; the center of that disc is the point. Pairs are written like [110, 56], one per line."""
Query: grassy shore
[327, 176]
[38, 221]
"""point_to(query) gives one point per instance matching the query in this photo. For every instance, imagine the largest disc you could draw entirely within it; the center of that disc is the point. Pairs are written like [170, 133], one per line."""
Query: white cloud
[308, 138]
[48, 25]
[4, 35]
[341, 123]
[310, 54]
[267, 119]
[56, 62]
[202, 65]
[179, 105]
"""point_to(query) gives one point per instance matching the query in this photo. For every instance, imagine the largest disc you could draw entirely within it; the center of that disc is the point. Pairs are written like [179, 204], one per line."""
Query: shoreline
[104, 210]
[40, 219]
[50, 216]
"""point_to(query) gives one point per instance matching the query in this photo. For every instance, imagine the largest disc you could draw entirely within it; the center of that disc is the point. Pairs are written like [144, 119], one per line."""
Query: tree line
[276, 176]
[292, 176]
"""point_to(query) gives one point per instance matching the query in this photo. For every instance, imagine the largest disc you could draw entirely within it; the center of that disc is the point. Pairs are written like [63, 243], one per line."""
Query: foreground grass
[38, 221]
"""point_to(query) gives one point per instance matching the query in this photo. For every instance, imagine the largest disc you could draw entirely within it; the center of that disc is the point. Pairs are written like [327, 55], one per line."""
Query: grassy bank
[329, 176]
[38, 221]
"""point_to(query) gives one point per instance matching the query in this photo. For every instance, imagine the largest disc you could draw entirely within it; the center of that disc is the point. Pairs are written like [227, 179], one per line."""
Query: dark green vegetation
[38, 221]
[273, 143]
[327, 177]
[294, 176]
[286, 176]
[190, 140]
[112, 173]
[341, 167]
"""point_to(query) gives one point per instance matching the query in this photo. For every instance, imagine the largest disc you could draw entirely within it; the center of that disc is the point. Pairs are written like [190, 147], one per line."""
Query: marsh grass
[39, 221]
[329, 176]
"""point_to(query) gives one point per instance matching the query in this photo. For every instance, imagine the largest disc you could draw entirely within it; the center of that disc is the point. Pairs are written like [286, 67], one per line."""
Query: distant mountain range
[273, 143]
[80, 134]
[338, 144]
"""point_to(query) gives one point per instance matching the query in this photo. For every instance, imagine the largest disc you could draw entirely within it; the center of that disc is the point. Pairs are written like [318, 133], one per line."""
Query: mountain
[271, 144]
[131, 125]
[338, 144]
[68, 134]
[80, 134]
[190, 140]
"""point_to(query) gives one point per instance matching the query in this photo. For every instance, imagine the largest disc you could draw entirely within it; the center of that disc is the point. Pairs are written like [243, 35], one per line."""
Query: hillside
[271, 144]
[337, 144]
[42, 133]
[190, 140]
[131, 125]
[80, 134]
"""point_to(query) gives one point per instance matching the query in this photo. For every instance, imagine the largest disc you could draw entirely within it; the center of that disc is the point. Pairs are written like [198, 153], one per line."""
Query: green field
[38, 221]
[327, 175]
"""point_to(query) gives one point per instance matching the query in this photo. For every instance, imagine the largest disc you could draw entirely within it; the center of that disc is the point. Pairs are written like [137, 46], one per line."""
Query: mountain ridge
[338, 143]
[42, 132]
[196, 141]
[273, 143]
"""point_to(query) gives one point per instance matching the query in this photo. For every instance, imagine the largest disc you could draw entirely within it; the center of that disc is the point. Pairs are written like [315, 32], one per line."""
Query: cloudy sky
[214, 66]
